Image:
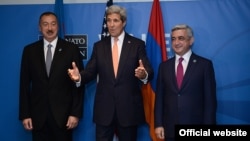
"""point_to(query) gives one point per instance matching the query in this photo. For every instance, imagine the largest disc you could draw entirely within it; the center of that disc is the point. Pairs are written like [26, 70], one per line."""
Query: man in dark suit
[118, 103]
[50, 104]
[194, 101]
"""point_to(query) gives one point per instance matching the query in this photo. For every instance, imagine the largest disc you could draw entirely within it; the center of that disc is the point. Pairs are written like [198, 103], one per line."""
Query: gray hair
[185, 27]
[117, 10]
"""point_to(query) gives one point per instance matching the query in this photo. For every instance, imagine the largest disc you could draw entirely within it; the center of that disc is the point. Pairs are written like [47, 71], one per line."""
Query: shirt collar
[53, 43]
[120, 37]
[186, 56]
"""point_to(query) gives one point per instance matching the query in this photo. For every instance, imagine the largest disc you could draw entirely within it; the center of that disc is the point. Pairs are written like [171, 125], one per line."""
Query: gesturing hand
[74, 73]
[140, 71]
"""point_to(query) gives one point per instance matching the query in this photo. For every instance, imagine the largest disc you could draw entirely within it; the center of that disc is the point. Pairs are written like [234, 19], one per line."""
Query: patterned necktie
[48, 59]
[115, 56]
[179, 72]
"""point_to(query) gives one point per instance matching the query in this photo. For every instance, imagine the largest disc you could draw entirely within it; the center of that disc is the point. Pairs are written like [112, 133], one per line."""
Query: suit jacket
[194, 103]
[121, 95]
[39, 93]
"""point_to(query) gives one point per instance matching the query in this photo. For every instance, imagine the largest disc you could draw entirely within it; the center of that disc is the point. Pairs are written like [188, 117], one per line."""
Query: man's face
[49, 27]
[181, 42]
[115, 24]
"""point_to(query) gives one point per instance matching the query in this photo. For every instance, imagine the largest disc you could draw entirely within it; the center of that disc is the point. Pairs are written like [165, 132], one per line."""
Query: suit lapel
[107, 55]
[57, 55]
[124, 53]
[190, 69]
[173, 72]
[41, 56]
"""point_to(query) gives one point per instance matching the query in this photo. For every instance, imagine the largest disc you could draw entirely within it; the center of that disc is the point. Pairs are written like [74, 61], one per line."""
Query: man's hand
[159, 132]
[72, 122]
[27, 124]
[74, 73]
[140, 71]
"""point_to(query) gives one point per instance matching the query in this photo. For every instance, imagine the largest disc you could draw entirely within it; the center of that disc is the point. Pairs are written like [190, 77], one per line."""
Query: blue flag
[59, 11]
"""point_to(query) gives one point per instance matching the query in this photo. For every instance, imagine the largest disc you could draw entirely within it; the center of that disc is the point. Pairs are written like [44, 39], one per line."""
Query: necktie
[48, 58]
[179, 72]
[115, 56]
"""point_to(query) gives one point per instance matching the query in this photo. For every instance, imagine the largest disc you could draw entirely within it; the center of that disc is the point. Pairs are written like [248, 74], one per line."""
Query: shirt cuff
[145, 80]
[78, 83]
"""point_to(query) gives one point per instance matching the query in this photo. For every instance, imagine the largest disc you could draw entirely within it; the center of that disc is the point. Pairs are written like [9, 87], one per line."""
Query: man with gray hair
[121, 63]
[185, 89]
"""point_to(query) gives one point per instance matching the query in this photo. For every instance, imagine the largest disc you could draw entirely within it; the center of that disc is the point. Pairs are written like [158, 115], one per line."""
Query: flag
[104, 24]
[156, 49]
[58, 9]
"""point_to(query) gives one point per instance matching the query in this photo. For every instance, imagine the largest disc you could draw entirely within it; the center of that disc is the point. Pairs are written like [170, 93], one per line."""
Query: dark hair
[46, 14]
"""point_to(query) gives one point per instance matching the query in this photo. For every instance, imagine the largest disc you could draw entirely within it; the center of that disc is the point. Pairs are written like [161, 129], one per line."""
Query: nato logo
[81, 41]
